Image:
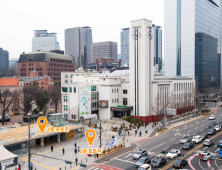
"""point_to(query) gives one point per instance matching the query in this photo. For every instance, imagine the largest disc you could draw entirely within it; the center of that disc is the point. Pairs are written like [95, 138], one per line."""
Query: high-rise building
[77, 43]
[44, 41]
[125, 46]
[13, 64]
[105, 50]
[157, 38]
[4, 62]
[192, 41]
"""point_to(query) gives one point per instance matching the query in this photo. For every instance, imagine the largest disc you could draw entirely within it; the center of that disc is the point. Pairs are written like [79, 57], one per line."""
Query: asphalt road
[170, 140]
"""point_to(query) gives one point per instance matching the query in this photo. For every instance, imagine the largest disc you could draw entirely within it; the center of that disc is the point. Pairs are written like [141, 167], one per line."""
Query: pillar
[58, 138]
[42, 142]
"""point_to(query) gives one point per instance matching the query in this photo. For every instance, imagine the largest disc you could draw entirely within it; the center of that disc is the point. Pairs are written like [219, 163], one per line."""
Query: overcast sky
[18, 19]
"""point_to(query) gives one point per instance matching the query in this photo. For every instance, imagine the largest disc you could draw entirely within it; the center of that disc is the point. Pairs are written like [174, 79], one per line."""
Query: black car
[180, 163]
[208, 142]
[211, 131]
[204, 135]
[143, 160]
[187, 145]
[158, 162]
[212, 124]
[220, 142]
[7, 119]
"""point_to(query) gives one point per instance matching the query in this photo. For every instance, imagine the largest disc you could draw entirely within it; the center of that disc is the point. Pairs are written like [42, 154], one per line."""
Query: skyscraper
[4, 62]
[77, 43]
[192, 41]
[44, 41]
[157, 38]
[125, 46]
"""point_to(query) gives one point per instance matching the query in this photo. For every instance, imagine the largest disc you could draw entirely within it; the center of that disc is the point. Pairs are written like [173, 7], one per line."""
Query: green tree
[41, 99]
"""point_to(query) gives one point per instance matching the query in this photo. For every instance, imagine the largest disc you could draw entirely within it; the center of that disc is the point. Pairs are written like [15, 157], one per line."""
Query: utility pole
[100, 136]
[29, 155]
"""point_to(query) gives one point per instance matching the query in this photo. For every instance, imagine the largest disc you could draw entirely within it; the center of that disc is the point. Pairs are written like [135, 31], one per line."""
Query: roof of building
[9, 81]
[31, 79]
[43, 56]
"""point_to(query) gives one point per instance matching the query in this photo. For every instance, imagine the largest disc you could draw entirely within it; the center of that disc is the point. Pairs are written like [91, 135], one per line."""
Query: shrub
[121, 145]
[115, 146]
[104, 151]
[141, 121]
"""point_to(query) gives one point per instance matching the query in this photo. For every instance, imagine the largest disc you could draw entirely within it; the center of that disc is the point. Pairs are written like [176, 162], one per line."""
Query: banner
[85, 101]
[109, 143]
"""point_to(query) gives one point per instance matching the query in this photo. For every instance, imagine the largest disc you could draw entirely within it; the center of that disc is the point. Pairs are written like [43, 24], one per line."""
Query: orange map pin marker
[42, 122]
[90, 135]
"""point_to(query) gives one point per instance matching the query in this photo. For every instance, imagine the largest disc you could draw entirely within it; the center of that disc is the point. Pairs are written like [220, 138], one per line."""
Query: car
[220, 142]
[7, 119]
[211, 131]
[217, 128]
[212, 124]
[197, 139]
[172, 154]
[188, 145]
[180, 163]
[142, 160]
[145, 167]
[204, 135]
[158, 162]
[212, 117]
[205, 156]
[185, 139]
[140, 153]
[208, 142]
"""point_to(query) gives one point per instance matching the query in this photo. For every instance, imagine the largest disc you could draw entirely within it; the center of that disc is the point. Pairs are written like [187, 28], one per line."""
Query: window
[65, 98]
[66, 107]
[42, 88]
[66, 81]
[72, 116]
[70, 89]
[124, 101]
[92, 104]
[70, 81]
[115, 100]
[117, 90]
[42, 82]
[124, 91]
[97, 96]
[112, 100]
[66, 75]
[92, 96]
[93, 88]
[64, 89]
[112, 90]
[71, 75]
[74, 89]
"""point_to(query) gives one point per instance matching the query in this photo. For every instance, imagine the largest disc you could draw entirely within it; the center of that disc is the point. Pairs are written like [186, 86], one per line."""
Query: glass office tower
[157, 44]
[192, 41]
[125, 47]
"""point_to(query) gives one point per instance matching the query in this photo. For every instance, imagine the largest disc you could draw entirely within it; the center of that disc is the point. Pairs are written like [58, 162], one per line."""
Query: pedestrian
[52, 148]
[140, 133]
[155, 124]
[146, 131]
[75, 145]
[75, 151]
[76, 161]
[138, 127]
[135, 132]
[152, 126]
[19, 167]
[128, 133]
[97, 155]
[63, 151]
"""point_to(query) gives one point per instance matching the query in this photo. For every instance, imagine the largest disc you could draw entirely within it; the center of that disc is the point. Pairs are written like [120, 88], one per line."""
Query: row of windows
[183, 86]
[93, 88]
[61, 61]
[66, 76]
[65, 89]
[73, 116]
[65, 98]
[61, 65]
[65, 107]
[114, 100]
[94, 104]
[115, 90]
[124, 91]
[95, 96]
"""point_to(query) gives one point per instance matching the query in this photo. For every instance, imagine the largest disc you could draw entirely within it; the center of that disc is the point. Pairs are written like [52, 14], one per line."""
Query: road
[170, 140]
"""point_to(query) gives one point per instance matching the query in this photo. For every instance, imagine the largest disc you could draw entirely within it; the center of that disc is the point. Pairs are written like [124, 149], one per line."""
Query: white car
[197, 139]
[205, 156]
[211, 117]
[185, 139]
[217, 128]
[145, 167]
[172, 154]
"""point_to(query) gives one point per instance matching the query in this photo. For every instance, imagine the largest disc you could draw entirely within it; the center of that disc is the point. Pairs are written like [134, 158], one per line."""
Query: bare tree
[12, 71]
[157, 107]
[7, 96]
[27, 98]
[55, 95]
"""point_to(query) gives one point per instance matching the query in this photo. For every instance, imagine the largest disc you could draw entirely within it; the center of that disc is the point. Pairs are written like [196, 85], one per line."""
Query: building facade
[192, 41]
[157, 44]
[49, 64]
[125, 46]
[44, 41]
[4, 62]
[105, 50]
[13, 64]
[77, 43]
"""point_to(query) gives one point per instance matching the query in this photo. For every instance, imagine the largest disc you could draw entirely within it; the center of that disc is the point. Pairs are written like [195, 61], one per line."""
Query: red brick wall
[9, 82]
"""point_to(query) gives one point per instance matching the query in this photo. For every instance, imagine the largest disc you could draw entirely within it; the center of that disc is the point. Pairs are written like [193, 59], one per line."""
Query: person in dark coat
[140, 133]
[52, 148]
[63, 151]
[75, 145]
[76, 161]
[75, 151]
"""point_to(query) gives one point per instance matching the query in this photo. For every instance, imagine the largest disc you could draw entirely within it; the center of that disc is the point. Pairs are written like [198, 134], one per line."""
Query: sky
[19, 19]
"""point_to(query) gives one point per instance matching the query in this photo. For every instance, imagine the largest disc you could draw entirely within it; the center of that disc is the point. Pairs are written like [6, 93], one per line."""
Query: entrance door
[118, 114]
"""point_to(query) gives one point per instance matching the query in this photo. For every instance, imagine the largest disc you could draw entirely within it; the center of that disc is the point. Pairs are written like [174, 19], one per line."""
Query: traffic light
[182, 155]
[166, 152]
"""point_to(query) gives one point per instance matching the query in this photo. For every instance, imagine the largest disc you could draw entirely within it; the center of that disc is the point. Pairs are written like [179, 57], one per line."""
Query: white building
[44, 41]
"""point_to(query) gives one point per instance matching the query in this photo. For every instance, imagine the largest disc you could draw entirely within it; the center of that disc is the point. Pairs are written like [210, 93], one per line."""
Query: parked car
[140, 153]
[204, 135]
[211, 131]
[142, 160]
[158, 162]
[217, 128]
[220, 142]
[212, 124]
[185, 139]
[188, 145]
[180, 163]
[7, 119]
[208, 142]
[205, 156]
[212, 117]
[172, 154]
[145, 167]
[197, 139]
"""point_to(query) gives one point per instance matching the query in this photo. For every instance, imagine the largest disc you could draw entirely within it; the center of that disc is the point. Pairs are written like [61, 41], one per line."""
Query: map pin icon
[90, 135]
[42, 122]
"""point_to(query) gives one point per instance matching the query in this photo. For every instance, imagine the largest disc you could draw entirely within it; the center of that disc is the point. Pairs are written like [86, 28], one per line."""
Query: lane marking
[173, 139]
[189, 162]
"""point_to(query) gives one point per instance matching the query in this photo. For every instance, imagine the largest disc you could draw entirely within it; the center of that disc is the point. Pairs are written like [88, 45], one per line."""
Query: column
[42, 142]
[58, 138]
